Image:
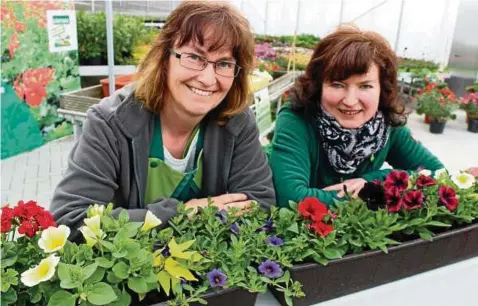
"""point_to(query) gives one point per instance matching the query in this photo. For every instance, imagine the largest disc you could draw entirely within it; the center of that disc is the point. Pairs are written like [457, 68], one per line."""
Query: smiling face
[192, 92]
[354, 101]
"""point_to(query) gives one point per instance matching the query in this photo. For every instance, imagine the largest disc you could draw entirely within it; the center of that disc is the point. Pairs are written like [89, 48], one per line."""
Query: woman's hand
[223, 202]
[353, 187]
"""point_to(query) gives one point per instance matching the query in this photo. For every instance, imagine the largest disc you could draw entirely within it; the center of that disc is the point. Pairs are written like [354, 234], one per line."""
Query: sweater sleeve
[409, 154]
[291, 163]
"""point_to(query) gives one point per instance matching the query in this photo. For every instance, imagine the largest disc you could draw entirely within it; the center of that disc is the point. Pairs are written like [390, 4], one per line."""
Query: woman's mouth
[350, 112]
[200, 92]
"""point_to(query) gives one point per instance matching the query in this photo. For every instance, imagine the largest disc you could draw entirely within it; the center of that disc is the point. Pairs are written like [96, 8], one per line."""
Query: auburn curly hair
[346, 52]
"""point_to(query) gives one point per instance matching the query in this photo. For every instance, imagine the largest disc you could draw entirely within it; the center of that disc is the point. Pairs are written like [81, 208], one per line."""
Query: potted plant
[430, 85]
[439, 107]
[469, 103]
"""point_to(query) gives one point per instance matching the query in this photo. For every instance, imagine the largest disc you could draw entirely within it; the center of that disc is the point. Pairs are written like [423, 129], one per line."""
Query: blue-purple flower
[216, 278]
[235, 228]
[274, 240]
[270, 269]
[267, 227]
[221, 214]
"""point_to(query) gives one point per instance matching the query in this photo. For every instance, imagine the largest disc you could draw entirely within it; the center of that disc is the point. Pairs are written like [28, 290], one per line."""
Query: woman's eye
[366, 86]
[194, 57]
[337, 85]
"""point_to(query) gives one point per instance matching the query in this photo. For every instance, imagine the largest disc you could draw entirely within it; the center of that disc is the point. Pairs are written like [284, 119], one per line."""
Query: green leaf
[137, 284]
[123, 216]
[104, 262]
[112, 278]
[121, 270]
[132, 228]
[107, 245]
[9, 297]
[438, 223]
[97, 276]
[119, 255]
[69, 284]
[133, 249]
[89, 270]
[101, 294]
[124, 299]
[294, 228]
[331, 253]
[165, 281]
[426, 236]
[62, 298]
[293, 205]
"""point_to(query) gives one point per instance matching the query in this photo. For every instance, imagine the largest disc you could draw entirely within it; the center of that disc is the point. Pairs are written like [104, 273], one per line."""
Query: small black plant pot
[369, 269]
[437, 127]
[473, 125]
[225, 297]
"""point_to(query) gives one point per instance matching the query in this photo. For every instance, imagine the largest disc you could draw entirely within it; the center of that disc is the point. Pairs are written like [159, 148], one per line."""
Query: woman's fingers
[229, 198]
[242, 206]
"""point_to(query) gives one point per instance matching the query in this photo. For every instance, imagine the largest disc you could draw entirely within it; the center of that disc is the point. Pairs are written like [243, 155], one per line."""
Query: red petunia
[424, 181]
[413, 199]
[322, 229]
[312, 208]
[398, 179]
[448, 197]
[393, 199]
[45, 220]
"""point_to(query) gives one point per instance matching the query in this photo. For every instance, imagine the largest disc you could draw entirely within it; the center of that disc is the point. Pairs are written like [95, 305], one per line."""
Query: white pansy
[425, 172]
[97, 210]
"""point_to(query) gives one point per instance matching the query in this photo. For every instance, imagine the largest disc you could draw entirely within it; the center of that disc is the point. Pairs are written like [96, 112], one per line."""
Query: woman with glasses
[344, 122]
[182, 133]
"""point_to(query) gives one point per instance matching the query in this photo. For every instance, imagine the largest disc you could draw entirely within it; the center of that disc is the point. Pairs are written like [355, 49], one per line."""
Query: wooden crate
[81, 100]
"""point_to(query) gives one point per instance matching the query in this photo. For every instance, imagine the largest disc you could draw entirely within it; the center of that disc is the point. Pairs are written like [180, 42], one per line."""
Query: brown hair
[346, 52]
[189, 22]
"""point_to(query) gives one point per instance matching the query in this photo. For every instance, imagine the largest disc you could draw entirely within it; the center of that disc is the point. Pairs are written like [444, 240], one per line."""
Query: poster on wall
[35, 74]
[62, 35]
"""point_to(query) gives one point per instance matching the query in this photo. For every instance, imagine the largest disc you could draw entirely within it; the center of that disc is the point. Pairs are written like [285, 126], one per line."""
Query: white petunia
[54, 238]
[150, 221]
[463, 180]
[97, 210]
[41, 273]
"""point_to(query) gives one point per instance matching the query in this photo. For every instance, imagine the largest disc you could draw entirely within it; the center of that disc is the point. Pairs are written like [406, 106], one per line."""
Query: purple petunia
[270, 269]
[267, 227]
[235, 228]
[221, 214]
[274, 240]
[166, 252]
[216, 278]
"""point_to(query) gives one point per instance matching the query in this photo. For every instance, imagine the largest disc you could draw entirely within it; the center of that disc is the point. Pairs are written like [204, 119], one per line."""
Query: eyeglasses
[199, 63]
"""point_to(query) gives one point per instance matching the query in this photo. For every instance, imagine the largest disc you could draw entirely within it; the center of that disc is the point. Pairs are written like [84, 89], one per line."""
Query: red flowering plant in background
[436, 100]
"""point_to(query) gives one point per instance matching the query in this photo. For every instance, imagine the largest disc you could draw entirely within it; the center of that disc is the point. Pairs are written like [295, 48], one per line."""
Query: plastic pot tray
[362, 271]
[226, 297]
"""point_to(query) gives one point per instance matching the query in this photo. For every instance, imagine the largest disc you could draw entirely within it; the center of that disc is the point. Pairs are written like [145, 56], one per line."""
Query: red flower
[448, 197]
[398, 179]
[31, 86]
[28, 228]
[6, 220]
[312, 208]
[321, 228]
[424, 181]
[413, 199]
[393, 200]
[45, 220]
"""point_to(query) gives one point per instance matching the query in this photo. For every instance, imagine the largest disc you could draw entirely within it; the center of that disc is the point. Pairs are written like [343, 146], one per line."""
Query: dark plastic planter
[373, 268]
[437, 127]
[226, 297]
[473, 125]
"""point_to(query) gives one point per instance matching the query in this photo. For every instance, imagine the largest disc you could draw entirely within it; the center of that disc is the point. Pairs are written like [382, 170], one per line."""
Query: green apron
[164, 181]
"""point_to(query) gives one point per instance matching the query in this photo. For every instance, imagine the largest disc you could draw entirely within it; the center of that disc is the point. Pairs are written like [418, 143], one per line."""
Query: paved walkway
[34, 175]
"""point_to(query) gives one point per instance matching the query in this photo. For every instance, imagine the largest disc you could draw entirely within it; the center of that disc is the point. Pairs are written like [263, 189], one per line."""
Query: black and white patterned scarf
[346, 149]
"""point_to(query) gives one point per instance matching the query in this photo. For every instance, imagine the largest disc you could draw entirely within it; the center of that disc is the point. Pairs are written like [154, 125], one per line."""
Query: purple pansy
[221, 214]
[235, 228]
[267, 227]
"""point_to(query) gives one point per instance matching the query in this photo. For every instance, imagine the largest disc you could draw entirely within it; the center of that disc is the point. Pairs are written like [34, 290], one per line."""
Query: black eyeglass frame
[178, 55]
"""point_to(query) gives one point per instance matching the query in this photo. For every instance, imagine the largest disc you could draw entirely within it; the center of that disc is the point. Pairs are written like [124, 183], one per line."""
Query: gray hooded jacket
[109, 163]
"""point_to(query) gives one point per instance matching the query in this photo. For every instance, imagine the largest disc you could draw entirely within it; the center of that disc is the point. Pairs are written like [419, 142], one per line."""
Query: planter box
[81, 100]
[373, 268]
[226, 297]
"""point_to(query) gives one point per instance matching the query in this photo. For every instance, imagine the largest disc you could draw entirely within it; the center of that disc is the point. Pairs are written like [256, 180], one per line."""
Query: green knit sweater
[300, 167]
